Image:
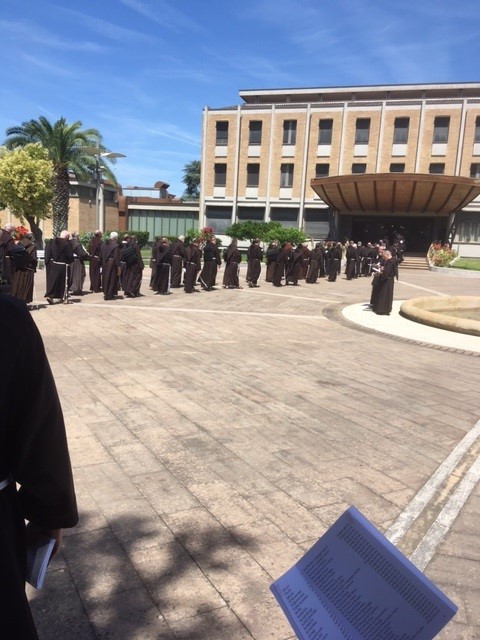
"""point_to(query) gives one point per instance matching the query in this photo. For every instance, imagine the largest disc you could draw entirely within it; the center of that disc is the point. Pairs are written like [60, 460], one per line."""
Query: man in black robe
[58, 257]
[177, 250]
[34, 455]
[254, 262]
[110, 261]
[6, 245]
[77, 269]
[94, 249]
[211, 262]
[232, 258]
[131, 267]
[163, 267]
[384, 297]
[193, 257]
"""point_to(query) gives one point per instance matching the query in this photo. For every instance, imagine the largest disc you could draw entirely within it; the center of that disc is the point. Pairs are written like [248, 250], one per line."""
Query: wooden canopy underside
[396, 193]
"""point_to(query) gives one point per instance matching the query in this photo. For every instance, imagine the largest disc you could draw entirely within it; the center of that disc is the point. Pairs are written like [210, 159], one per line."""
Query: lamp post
[99, 202]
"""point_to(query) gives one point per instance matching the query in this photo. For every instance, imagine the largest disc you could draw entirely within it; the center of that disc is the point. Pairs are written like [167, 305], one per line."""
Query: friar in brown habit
[232, 258]
[383, 299]
[294, 266]
[77, 268]
[58, 257]
[132, 267]
[271, 254]
[163, 268]
[94, 248]
[193, 257]
[305, 262]
[254, 261]
[177, 250]
[34, 457]
[22, 276]
[281, 260]
[316, 256]
[110, 263]
[211, 262]
[6, 245]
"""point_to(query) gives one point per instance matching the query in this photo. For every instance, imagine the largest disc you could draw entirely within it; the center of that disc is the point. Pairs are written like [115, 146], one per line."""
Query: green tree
[64, 144]
[26, 185]
[265, 231]
[191, 178]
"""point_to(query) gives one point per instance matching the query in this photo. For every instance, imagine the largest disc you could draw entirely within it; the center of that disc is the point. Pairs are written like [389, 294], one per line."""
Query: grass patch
[473, 264]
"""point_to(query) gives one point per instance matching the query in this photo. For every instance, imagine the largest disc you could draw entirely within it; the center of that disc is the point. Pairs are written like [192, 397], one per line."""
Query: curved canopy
[396, 192]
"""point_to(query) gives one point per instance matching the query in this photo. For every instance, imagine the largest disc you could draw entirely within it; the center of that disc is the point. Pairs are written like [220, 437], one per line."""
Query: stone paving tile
[132, 614]
[212, 449]
[213, 625]
[175, 582]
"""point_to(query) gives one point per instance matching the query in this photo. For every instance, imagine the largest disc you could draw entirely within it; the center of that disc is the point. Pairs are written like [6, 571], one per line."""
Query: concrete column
[269, 165]
[203, 170]
[461, 139]
[237, 163]
[304, 166]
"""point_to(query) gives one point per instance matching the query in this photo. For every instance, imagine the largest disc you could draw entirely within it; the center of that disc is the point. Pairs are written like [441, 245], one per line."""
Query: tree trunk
[35, 229]
[60, 199]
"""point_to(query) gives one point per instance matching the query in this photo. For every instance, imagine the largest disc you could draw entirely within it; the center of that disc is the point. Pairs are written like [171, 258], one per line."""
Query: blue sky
[142, 70]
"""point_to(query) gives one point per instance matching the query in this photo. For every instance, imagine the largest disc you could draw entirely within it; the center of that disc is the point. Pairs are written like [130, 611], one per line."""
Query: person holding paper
[34, 455]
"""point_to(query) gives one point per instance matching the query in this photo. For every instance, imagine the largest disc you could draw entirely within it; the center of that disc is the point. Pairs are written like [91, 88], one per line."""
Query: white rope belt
[5, 483]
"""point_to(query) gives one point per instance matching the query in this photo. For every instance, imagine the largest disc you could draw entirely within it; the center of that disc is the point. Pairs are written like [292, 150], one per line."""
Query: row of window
[325, 131]
[322, 170]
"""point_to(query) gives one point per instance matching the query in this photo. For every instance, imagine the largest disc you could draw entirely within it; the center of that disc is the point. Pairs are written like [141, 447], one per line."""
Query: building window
[322, 170]
[253, 174]
[477, 129]
[286, 176]
[436, 167]
[221, 133]
[325, 128]
[362, 130]
[475, 170]
[255, 132]
[289, 131]
[397, 167]
[359, 167]
[400, 130]
[440, 129]
[220, 174]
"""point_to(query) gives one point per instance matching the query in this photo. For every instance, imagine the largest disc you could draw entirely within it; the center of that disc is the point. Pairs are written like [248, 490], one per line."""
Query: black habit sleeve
[34, 446]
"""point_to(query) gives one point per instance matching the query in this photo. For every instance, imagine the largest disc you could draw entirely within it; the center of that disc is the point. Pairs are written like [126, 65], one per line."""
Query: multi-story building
[348, 162]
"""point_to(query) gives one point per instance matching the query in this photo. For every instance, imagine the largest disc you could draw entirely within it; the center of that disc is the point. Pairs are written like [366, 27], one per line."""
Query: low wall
[420, 310]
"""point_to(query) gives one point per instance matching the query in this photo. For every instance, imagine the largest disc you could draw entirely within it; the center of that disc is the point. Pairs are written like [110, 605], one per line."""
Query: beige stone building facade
[259, 159]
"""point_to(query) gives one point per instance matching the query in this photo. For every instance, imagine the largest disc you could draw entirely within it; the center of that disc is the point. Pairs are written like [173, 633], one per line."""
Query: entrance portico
[421, 207]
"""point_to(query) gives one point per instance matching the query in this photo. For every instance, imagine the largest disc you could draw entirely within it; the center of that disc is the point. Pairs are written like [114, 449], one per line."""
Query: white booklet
[38, 558]
[353, 584]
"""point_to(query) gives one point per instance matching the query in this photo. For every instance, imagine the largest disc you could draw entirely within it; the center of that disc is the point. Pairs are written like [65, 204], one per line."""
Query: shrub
[440, 256]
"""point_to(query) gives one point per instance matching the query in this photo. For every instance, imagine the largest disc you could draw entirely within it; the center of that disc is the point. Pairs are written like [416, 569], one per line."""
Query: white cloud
[26, 32]
[164, 14]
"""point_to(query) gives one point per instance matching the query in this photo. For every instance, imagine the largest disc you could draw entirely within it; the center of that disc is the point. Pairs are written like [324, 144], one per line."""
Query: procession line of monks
[116, 266]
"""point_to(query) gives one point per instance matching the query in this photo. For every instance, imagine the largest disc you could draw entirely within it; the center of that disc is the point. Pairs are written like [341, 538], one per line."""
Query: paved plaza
[215, 436]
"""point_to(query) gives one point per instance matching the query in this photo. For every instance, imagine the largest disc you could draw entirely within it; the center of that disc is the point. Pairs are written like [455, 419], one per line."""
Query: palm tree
[64, 144]
[191, 178]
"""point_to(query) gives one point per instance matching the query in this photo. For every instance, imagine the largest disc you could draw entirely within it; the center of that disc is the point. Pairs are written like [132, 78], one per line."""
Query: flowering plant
[19, 232]
[440, 256]
[205, 234]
